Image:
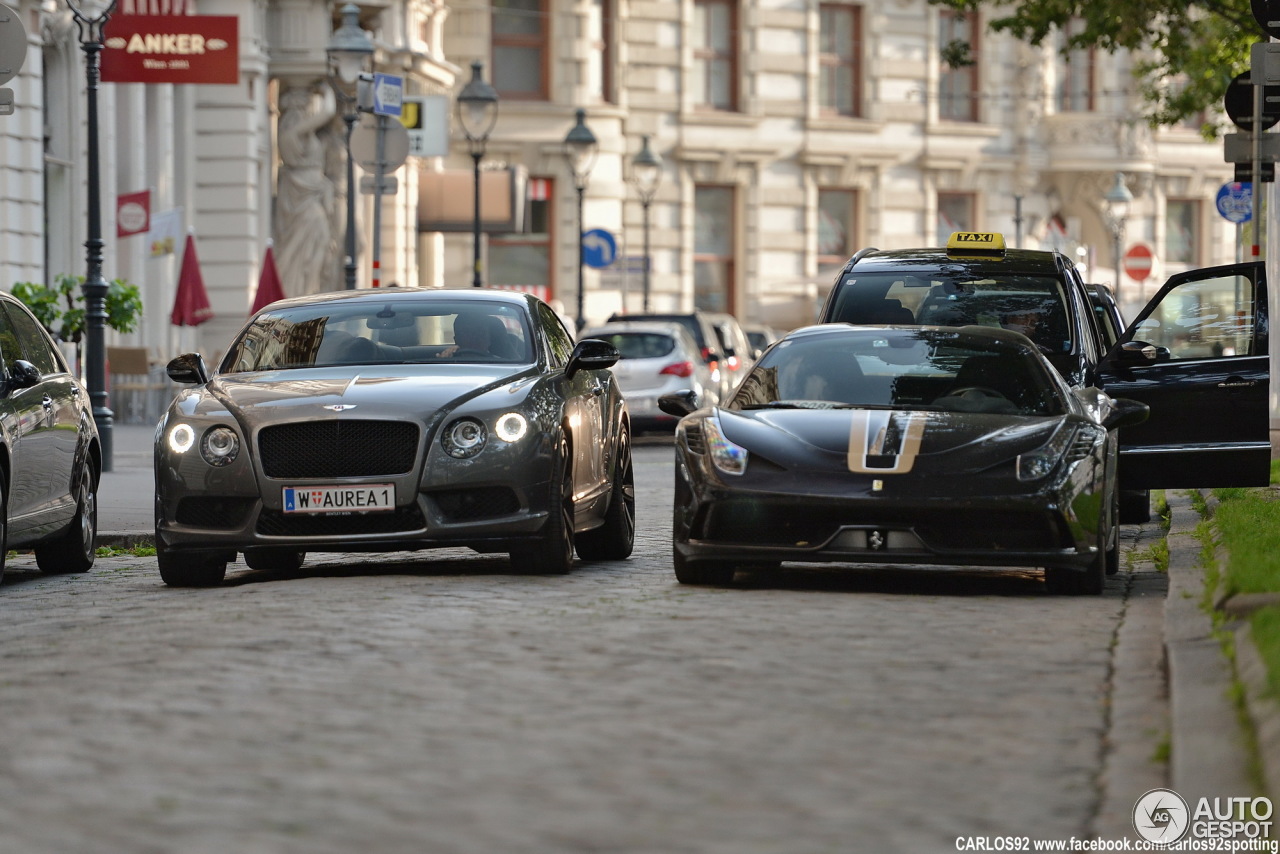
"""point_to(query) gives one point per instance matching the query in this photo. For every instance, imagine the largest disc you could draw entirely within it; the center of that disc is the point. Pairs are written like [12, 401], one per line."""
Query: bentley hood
[886, 441]
[272, 395]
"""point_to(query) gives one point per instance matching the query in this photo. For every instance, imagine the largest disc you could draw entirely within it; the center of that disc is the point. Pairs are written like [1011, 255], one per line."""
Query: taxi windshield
[903, 369]
[1034, 305]
[368, 332]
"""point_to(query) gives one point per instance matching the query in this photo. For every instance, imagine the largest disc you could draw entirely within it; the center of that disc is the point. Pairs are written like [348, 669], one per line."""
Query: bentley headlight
[464, 438]
[728, 457]
[220, 446]
[511, 427]
[181, 438]
[1041, 462]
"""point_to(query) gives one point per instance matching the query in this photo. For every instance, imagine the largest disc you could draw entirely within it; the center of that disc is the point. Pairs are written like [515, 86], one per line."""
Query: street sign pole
[377, 200]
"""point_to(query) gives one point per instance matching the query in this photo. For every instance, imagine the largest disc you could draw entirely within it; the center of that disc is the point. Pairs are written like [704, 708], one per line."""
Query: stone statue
[304, 194]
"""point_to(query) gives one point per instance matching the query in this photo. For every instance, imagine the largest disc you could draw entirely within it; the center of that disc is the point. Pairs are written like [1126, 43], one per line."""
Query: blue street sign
[388, 94]
[599, 249]
[1235, 201]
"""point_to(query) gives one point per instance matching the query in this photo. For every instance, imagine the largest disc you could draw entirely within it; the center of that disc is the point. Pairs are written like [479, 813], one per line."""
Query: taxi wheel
[552, 554]
[275, 558]
[190, 568]
[1135, 506]
[615, 539]
[76, 548]
[710, 572]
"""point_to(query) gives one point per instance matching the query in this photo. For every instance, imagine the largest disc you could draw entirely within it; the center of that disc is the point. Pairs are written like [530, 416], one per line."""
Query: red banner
[171, 49]
[133, 213]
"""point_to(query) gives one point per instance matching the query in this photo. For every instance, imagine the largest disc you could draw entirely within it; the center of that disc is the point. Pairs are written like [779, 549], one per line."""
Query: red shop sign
[171, 49]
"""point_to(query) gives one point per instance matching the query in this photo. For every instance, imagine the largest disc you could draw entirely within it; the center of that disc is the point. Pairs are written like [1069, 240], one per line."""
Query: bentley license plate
[340, 499]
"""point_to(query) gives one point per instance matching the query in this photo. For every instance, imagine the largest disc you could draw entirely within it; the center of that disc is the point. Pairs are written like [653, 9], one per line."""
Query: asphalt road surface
[437, 702]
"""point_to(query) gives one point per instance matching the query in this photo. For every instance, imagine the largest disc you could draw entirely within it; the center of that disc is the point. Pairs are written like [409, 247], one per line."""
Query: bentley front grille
[346, 448]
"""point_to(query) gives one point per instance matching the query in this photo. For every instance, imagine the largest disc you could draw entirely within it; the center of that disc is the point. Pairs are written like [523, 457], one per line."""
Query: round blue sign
[1235, 201]
[599, 249]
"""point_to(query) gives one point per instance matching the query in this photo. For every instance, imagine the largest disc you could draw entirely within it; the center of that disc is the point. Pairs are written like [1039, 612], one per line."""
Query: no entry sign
[1138, 261]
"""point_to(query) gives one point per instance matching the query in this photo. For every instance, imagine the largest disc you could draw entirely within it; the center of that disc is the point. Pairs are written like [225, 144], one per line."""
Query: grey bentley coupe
[395, 419]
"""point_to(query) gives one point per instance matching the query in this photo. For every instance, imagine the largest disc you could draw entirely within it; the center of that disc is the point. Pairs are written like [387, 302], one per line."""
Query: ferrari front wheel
[711, 572]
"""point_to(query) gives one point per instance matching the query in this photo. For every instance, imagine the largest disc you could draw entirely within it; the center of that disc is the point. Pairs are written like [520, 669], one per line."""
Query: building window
[958, 78]
[521, 41]
[600, 44]
[955, 213]
[715, 54]
[839, 48]
[524, 260]
[1182, 233]
[836, 209]
[713, 248]
[1074, 88]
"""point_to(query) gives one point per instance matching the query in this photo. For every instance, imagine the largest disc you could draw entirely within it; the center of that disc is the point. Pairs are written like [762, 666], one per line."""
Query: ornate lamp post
[1117, 200]
[580, 149]
[349, 48]
[646, 174]
[477, 113]
[95, 286]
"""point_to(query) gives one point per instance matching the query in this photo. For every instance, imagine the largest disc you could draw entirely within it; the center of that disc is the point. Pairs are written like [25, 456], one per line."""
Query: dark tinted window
[35, 344]
[558, 340]
[640, 345]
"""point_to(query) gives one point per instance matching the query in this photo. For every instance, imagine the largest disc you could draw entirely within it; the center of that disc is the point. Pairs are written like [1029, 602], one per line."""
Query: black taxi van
[1196, 354]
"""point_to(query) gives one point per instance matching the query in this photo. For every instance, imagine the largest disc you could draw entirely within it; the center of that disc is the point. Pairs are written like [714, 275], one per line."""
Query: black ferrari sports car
[395, 419]
[903, 445]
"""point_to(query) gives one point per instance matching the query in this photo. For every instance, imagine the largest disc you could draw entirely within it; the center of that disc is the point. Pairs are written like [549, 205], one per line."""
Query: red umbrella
[269, 289]
[191, 304]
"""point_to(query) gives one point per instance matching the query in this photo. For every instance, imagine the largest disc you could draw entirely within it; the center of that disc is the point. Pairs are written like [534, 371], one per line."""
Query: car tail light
[678, 369]
[734, 363]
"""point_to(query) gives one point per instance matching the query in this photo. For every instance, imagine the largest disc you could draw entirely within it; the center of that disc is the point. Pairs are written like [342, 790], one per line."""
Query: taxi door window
[1203, 319]
[35, 346]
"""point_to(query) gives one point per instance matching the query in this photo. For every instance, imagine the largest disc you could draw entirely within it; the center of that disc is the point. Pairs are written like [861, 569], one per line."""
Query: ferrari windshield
[935, 369]
[391, 332]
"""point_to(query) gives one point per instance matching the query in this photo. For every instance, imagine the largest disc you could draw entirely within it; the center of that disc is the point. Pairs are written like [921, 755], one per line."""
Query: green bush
[60, 307]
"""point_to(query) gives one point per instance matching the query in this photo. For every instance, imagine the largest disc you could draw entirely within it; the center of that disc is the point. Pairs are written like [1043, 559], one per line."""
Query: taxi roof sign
[976, 244]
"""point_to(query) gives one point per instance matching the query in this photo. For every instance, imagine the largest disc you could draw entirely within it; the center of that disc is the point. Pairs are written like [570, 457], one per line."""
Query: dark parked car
[903, 445]
[50, 456]
[395, 419]
[1196, 354]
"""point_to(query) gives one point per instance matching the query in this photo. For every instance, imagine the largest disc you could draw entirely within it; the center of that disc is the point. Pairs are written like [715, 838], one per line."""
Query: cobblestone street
[436, 702]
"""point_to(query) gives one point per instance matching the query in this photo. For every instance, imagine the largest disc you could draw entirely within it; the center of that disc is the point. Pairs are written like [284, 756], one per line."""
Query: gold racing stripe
[867, 436]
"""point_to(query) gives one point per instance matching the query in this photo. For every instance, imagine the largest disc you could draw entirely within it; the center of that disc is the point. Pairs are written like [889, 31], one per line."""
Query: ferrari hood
[887, 440]
[287, 393]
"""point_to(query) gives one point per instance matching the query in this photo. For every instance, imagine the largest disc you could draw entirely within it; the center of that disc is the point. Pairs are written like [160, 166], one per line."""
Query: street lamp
[95, 286]
[477, 113]
[349, 47]
[646, 174]
[580, 149]
[1118, 199]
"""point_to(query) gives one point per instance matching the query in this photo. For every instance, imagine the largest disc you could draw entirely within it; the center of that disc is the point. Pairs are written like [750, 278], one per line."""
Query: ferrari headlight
[511, 427]
[728, 457]
[220, 446]
[464, 438]
[1041, 462]
[181, 438]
